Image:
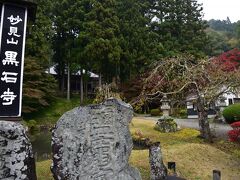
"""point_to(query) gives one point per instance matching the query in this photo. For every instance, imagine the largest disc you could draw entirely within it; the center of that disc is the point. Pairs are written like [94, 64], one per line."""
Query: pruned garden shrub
[234, 135]
[166, 124]
[179, 112]
[139, 140]
[155, 112]
[183, 113]
[232, 113]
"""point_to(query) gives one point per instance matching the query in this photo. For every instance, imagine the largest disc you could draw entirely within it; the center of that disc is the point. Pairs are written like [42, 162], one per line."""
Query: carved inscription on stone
[94, 143]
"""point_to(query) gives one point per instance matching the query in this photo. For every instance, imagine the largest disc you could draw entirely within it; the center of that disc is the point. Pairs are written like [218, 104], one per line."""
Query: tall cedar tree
[99, 38]
[139, 43]
[38, 87]
[67, 17]
[180, 26]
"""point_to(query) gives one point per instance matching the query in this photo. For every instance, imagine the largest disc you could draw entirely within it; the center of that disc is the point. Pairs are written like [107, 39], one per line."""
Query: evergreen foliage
[39, 35]
[232, 113]
[98, 39]
[223, 36]
[116, 39]
[180, 26]
[38, 87]
[222, 25]
[218, 43]
[140, 45]
[155, 112]
[66, 18]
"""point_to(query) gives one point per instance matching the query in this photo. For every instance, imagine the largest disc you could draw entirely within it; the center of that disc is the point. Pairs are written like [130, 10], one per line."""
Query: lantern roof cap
[164, 98]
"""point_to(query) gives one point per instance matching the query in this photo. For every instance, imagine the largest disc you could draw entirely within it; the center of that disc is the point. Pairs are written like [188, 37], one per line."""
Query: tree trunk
[81, 87]
[62, 84]
[68, 82]
[100, 80]
[86, 89]
[205, 131]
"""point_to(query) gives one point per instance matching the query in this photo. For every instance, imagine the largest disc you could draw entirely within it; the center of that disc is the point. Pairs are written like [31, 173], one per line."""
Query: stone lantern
[165, 107]
[222, 104]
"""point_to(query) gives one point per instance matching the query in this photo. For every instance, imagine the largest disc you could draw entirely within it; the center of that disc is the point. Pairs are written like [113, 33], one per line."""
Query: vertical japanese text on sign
[12, 45]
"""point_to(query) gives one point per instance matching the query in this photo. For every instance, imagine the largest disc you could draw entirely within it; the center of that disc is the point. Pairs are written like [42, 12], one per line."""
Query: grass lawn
[195, 159]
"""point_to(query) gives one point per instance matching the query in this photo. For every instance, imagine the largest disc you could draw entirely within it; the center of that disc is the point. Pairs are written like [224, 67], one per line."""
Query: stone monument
[16, 160]
[94, 143]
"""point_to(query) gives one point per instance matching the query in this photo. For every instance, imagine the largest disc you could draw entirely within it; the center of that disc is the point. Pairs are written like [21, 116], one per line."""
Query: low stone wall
[16, 156]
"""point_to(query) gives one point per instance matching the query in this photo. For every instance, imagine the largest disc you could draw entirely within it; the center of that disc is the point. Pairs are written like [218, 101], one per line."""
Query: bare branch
[158, 93]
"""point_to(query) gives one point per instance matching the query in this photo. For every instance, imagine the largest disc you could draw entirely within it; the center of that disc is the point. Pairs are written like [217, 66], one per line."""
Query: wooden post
[172, 167]
[157, 168]
[216, 175]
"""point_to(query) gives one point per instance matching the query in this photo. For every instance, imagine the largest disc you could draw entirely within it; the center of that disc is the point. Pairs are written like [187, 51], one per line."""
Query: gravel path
[219, 130]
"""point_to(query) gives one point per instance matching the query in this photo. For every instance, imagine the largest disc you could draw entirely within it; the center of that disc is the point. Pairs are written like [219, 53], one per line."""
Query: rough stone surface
[157, 168]
[16, 156]
[94, 143]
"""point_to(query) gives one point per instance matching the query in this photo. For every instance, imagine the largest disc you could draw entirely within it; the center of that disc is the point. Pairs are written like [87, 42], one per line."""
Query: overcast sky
[221, 9]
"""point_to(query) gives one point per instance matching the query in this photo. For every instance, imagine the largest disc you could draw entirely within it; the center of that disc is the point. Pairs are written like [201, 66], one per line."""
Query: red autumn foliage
[235, 125]
[229, 60]
[234, 135]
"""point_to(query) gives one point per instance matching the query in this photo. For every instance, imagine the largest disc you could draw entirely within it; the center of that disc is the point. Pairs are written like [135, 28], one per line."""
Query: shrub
[235, 125]
[234, 135]
[155, 112]
[32, 125]
[107, 91]
[166, 125]
[179, 112]
[183, 113]
[139, 140]
[232, 113]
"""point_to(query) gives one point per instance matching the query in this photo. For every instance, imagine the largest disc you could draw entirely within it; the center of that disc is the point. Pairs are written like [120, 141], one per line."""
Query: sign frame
[15, 116]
